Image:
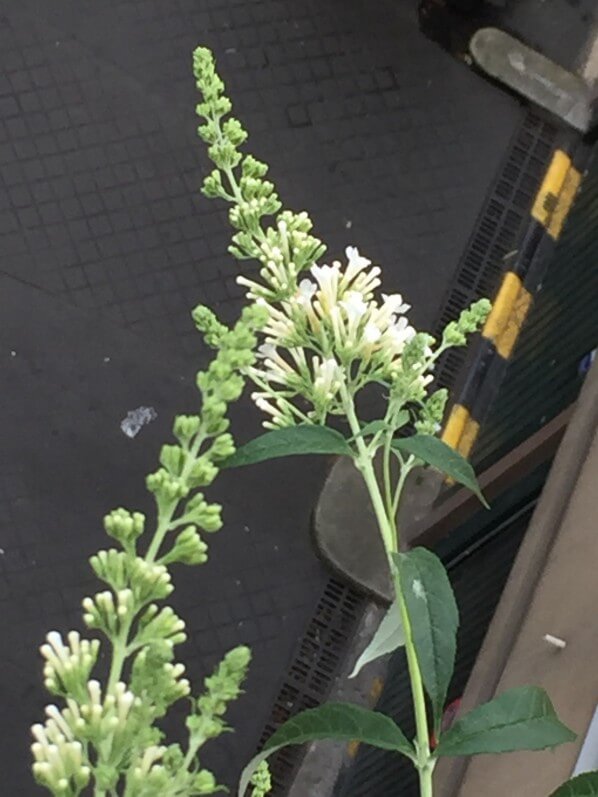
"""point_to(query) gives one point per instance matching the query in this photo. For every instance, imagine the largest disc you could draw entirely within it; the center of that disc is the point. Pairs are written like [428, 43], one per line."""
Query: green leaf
[434, 618]
[379, 425]
[585, 785]
[340, 721]
[441, 456]
[302, 439]
[389, 636]
[371, 428]
[519, 719]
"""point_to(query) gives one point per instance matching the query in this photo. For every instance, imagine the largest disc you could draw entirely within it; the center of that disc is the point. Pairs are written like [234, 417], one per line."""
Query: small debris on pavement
[135, 419]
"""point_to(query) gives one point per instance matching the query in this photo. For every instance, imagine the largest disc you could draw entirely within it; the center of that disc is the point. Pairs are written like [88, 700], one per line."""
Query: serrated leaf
[434, 619]
[441, 456]
[519, 719]
[389, 636]
[585, 785]
[290, 441]
[339, 721]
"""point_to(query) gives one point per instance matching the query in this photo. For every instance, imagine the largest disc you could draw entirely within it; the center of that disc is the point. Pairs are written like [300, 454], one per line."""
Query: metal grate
[499, 230]
[546, 372]
[319, 655]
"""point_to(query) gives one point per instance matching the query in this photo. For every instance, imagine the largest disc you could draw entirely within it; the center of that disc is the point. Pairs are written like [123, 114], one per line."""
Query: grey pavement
[106, 244]
[387, 141]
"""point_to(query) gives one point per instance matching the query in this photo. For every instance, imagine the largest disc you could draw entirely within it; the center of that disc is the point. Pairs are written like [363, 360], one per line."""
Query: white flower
[328, 377]
[264, 402]
[266, 350]
[306, 290]
[395, 304]
[327, 278]
[355, 263]
[371, 333]
[279, 326]
[398, 334]
[366, 282]
[354, 307]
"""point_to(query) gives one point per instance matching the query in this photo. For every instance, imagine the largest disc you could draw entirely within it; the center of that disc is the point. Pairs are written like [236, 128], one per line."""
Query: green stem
[166, 513]
[418, 696]
[364, 463]
[119, 654]
[386, 453]
[120, 646]
[388, 530]
[405, 469]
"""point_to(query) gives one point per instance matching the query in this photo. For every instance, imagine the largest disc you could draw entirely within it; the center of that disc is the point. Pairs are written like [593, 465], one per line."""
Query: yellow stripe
[566, 197]
[468, 438]
[352, 748]
[376, 690]
[454, 426]
[505, 342]
[508, 314]
[551, 187]
[502, 306]
[460, 432]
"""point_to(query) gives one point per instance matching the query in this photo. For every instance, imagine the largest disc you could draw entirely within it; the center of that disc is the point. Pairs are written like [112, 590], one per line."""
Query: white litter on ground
[135, 419]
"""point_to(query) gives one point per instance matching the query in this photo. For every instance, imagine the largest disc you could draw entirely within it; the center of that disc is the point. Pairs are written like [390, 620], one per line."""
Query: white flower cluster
[329, 332]
[59, 755]
[59, 763]
[67, 667]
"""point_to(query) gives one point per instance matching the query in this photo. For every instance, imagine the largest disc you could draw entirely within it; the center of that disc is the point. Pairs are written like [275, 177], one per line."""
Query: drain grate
[499, 229]
[320, 653]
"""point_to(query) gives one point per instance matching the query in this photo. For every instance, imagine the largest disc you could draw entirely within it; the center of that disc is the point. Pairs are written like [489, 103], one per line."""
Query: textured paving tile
[382, 136]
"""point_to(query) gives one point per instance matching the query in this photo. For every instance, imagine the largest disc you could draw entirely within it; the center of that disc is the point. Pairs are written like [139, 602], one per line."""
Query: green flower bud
[165, 486]
[188, 549]
[208, 132]
[261, 781]
[432, 412]
[212, 185]
[173, 458]
[224, 685]
[205, 783]
[186, 427]
[251, 167]
[124, 526]
[222, 447]
[207, 323]
[160, 625]
[233, 130]
[159, 682]
[68, 667]
[147, 580]
[231, 389]
[202, 473]
[470, 320]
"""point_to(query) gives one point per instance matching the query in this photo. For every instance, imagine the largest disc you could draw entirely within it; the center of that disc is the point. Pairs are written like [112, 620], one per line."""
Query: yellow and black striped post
[512, 303]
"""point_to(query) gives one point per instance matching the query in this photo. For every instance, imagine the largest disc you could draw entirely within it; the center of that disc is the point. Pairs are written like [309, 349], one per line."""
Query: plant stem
[419, 699]
[385, 516]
